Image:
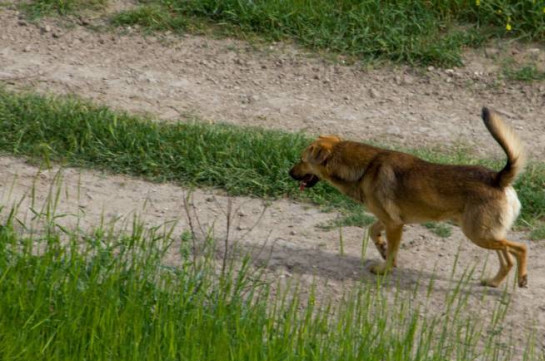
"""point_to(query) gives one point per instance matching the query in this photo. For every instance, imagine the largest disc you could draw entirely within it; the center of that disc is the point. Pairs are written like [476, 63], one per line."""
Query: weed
[39, 8]
[526, 73]
[151, 17]
[355, 218]
[538, 232]
[440, 229]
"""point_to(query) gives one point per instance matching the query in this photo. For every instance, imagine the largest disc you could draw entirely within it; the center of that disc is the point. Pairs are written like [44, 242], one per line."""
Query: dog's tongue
[302, 186]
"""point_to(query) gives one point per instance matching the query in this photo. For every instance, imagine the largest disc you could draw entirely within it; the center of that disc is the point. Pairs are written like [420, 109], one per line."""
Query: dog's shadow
[326, 265]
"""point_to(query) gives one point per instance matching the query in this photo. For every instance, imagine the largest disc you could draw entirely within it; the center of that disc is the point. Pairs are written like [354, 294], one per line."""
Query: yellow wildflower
[477, 2]
[508, 27]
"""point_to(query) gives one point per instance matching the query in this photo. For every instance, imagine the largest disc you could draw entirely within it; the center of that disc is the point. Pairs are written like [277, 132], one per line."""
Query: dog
[399, 188]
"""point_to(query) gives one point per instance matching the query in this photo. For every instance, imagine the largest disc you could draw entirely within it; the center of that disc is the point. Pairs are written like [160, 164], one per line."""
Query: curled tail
[511, 145]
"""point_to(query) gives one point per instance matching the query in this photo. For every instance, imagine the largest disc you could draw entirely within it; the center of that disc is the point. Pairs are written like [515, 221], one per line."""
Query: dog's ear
[317, 154]
[320, 150]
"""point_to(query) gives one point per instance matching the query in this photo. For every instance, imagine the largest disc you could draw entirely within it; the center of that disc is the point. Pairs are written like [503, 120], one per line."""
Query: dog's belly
[419, 212]
[420, 217]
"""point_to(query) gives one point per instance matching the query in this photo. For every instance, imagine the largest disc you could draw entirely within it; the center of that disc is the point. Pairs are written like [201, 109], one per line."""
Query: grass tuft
[151, 17]
[355, 218]
[527, 73]
[442, 230]
[39, 8]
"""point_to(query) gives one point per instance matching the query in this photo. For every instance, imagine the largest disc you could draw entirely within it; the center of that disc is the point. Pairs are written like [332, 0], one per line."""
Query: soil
[174, 78]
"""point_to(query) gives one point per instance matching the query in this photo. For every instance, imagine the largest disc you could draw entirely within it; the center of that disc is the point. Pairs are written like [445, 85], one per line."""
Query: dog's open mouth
[308, 181]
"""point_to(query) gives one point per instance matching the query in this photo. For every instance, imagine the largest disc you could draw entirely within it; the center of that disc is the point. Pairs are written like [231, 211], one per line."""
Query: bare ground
[279, 86]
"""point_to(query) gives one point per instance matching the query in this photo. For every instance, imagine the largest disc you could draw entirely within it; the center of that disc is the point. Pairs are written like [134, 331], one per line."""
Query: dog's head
[311, 167]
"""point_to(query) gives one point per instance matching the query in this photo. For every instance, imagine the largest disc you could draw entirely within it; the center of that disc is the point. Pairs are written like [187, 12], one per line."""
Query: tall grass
[242, 161]
[414, 31]
[105, 296]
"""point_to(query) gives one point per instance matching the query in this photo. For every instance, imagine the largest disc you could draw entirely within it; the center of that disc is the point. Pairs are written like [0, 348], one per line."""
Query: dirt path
[278, 87]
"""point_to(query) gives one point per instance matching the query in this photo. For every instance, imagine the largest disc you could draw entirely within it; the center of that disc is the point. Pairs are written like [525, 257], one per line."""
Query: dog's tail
[511, 145]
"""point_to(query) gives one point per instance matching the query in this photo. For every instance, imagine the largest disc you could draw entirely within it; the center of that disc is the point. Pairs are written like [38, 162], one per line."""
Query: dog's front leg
[393, 236]
[375, 231]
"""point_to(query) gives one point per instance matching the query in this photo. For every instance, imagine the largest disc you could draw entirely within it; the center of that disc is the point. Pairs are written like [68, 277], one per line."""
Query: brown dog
[399, 188]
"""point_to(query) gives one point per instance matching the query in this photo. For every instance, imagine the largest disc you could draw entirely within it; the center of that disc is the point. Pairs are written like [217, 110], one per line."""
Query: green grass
[356, 218]
[152, 17]
[440, 229]
[525, 73]
[538, 233]
[100, 296]
[39, 8]
[240, 160]
[413, 31]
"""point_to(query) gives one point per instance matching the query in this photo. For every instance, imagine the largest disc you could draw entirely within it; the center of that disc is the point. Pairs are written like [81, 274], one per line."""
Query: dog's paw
[523, 281]
[380, 268]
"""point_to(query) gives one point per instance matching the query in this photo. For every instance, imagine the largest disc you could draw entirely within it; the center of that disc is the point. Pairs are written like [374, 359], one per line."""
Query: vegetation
[38, 8]
[440, 229]
[527, 73]
[108, 295]
[413, 31]
[105, 295]
[240, 160]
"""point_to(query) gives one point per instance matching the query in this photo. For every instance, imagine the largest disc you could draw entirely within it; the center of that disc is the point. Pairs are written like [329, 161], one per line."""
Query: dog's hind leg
[506, 263]
[393, 236]
[520, 251]
[375, 232]
[504, 249]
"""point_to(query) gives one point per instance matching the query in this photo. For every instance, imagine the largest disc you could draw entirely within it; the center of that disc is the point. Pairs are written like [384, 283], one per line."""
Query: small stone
[22, 23]
[26, 49]
[293, 233]
[491, 52]
[83, 21]
[431, 68]
[373, 93]
[449, 72]
[408, 80]
[46, 29]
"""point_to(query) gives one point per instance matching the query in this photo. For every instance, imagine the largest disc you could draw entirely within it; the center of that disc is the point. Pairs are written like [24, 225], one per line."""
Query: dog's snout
[296, 172]
[292, 173]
